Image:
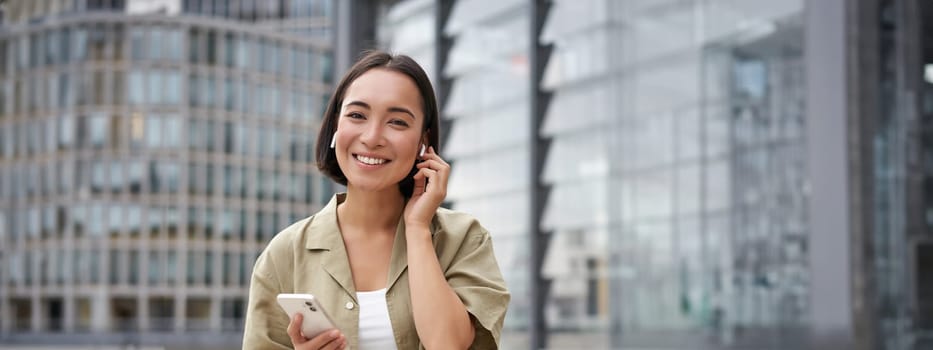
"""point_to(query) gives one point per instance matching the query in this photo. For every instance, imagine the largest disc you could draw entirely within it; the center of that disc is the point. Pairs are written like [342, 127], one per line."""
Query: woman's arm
[441, 319]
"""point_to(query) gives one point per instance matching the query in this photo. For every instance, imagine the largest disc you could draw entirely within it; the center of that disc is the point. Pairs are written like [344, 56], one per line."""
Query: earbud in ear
[421, 154]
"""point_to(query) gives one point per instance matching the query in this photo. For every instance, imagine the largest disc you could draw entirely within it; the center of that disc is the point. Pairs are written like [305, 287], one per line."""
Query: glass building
[716, 174]
[148, 151]
[481, 88]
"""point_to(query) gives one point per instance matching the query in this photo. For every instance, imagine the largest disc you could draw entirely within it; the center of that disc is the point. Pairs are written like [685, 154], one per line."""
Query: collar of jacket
[323, 235]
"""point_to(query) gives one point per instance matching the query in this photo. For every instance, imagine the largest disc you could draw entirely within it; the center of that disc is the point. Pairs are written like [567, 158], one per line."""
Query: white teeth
[370, 161]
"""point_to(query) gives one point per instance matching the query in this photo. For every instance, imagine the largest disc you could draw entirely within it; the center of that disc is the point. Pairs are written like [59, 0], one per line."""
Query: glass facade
[677, 164]
[488, 142]
[144, 163]
[693, 172]
[488, 110]
[899, 136]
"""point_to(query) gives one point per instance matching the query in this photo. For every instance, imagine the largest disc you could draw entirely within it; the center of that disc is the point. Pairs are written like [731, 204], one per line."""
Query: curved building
[148, 150]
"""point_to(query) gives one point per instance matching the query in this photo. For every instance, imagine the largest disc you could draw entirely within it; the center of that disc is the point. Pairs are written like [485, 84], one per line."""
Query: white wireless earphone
[421, 154]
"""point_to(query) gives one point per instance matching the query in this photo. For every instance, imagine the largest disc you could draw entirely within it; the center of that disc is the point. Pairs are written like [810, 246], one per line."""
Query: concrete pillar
[100, 312]
[827, 124]
[69, 310]
[36, 318]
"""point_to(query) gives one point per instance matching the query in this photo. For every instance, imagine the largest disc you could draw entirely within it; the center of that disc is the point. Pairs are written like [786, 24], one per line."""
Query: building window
[210, 133]
[228, 225]
[241, 228]
[98, 176]
[65, 92]
[194, 46]
[155, 268]
[137, 87]
[229, 50]
[228, 268]
[133, 220]
[135, 176]
[172, 125]
[327, 71]
[134, 267]
[155, 43]
[173, 87]
[228, 95]
[79, 44]
[232, 314]
[208, 267]
[172, 264]
[114, 266]
[95, 219]
[191, 269]
[99, 129]
[155, 87]
[117, 33]
[212, 48]
[115, 215]
[97, 43]
[137, 43]
[94, 266]
[228, 180]
[174, 39]
[209, 93]
[48, 221]
[169, 174]
[156, 218]
[153, 131]
[209, 177]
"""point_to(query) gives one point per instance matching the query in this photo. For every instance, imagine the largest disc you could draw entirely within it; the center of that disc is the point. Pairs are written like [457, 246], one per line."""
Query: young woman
[391, 268]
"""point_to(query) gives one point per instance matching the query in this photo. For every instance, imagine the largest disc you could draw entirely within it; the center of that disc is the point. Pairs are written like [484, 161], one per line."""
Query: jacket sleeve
[266, 325]
[474, 275]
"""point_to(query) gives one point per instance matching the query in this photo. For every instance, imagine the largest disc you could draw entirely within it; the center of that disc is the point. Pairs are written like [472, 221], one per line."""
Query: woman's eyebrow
[391, 109]
[358, 103]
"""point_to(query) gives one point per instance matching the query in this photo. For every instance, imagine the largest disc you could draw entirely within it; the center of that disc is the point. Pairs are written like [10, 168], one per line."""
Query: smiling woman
[392, 268]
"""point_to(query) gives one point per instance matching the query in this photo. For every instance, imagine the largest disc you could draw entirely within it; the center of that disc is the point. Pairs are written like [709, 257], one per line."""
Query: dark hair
[325, 156]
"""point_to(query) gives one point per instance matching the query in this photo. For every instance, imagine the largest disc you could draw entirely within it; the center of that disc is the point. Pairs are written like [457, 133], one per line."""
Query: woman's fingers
[337, 344]
[331, 339]
[294, 330]
[436, 182]
[439, 167]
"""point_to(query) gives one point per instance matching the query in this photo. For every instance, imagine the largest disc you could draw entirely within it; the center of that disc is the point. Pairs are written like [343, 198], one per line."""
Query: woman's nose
[372, 135]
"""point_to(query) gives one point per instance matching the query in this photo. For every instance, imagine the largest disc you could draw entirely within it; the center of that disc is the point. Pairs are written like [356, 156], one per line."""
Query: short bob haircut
[326, 157]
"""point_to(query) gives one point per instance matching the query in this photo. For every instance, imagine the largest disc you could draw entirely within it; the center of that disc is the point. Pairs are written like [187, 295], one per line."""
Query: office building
[148, 151]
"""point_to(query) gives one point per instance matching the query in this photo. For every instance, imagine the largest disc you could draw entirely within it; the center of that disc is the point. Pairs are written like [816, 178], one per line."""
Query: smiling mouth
[369, 160]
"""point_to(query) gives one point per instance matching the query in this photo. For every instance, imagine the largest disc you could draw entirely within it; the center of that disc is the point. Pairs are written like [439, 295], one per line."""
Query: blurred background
[656, 174]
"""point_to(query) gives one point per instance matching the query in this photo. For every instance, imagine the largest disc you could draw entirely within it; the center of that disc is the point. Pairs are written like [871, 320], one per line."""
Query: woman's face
[379, 130]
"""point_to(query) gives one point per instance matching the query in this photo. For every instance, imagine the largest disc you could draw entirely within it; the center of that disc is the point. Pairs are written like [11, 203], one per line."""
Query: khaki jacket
[309, 257]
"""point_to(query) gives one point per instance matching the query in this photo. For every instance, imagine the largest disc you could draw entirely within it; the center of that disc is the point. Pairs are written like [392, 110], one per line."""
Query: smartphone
[315, 320]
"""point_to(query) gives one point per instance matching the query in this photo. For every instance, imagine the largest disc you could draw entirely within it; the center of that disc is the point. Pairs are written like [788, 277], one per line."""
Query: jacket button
[349, 305]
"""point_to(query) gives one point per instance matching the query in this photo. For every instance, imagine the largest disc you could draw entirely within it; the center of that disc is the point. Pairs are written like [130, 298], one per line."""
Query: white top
[375, 325]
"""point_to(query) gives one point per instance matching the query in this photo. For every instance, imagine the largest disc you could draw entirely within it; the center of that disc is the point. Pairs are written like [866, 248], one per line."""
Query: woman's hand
[425, 200]
[328, 340]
